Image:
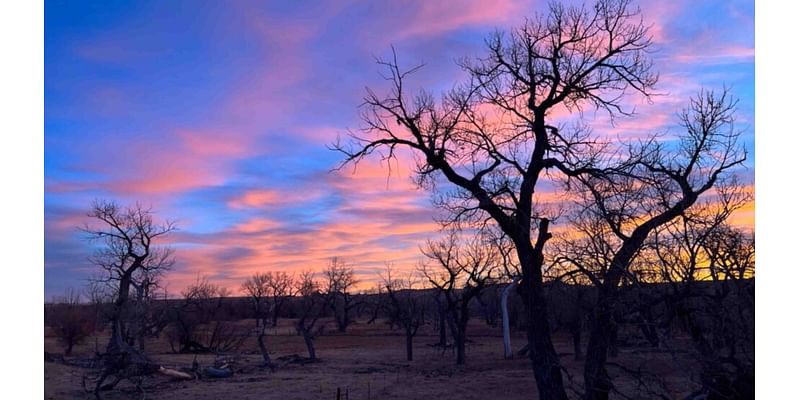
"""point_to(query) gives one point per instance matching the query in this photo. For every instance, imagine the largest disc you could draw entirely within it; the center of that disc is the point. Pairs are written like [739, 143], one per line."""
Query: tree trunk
[595, 376]
[542, 353]
[576, 342]
[409, 345]
[648, 328]
[275, 312]
[312, 353]
[442, 328]
[463, 319]
[262, 346]
[345, 316]
[613, 347]
[544, 359]
[116, 342]
[507, 352]
[460, 349]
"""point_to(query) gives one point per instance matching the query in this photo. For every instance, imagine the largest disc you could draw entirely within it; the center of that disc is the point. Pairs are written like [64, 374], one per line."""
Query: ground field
[367, 363]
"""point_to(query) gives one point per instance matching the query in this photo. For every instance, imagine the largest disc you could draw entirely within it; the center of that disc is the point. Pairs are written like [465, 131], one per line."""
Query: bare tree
[709, 267]
[460, 272]
[406, 306]
[375, 303]
[128, 238]
[258, 288]
[99, 296]
[652, 186]
[311, 306]
[731, 254]
[281, 287]
[491, 136]
[69, 321]
[201, 325]
[339, 282]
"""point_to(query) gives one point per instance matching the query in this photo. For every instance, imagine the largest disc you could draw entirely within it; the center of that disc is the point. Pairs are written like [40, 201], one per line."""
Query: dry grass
[366, 363]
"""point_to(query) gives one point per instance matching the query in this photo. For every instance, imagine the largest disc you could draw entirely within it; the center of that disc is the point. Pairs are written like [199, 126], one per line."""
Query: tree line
[693, 282]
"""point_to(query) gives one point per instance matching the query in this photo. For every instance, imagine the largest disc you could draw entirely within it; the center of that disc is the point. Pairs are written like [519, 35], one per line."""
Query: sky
[220, 115]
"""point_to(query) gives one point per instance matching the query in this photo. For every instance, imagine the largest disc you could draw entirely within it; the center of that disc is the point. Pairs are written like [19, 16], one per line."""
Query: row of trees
[270, 292]
[693, 273]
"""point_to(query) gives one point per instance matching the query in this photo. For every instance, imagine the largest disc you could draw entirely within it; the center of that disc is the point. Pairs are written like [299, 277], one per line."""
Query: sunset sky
[218, 115]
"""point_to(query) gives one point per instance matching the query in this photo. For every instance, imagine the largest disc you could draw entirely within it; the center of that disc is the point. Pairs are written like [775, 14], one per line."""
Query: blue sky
[219, 114]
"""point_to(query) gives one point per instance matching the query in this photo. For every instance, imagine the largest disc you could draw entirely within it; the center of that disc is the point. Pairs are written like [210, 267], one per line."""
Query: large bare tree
[128, 250]
[655, 183]
[493, 139]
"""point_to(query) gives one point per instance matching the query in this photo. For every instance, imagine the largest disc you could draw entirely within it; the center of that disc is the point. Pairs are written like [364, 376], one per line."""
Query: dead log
[172, 373]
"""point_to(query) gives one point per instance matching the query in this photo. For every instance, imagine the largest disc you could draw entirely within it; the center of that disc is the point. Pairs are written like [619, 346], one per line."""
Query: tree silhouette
[69, 322]
[128, 253]
[652, 186]
[311, 305]
[406, 305]
[491, 136]
[459, 270]
[268, 292]
[339, 280]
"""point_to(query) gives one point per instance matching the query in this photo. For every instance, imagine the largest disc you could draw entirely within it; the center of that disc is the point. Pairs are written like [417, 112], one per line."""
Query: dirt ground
[368, 363]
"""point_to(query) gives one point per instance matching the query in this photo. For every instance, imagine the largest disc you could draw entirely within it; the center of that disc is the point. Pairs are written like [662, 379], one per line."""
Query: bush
[71, 325]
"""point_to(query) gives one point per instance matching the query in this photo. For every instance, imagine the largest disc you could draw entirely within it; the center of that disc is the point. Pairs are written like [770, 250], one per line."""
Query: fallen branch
[175, 373]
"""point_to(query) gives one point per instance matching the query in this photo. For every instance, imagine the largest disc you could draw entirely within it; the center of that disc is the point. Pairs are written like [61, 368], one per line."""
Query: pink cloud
[154, 168]
[256, 199]
[716, 54]
[432, 17]
[220, 143]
